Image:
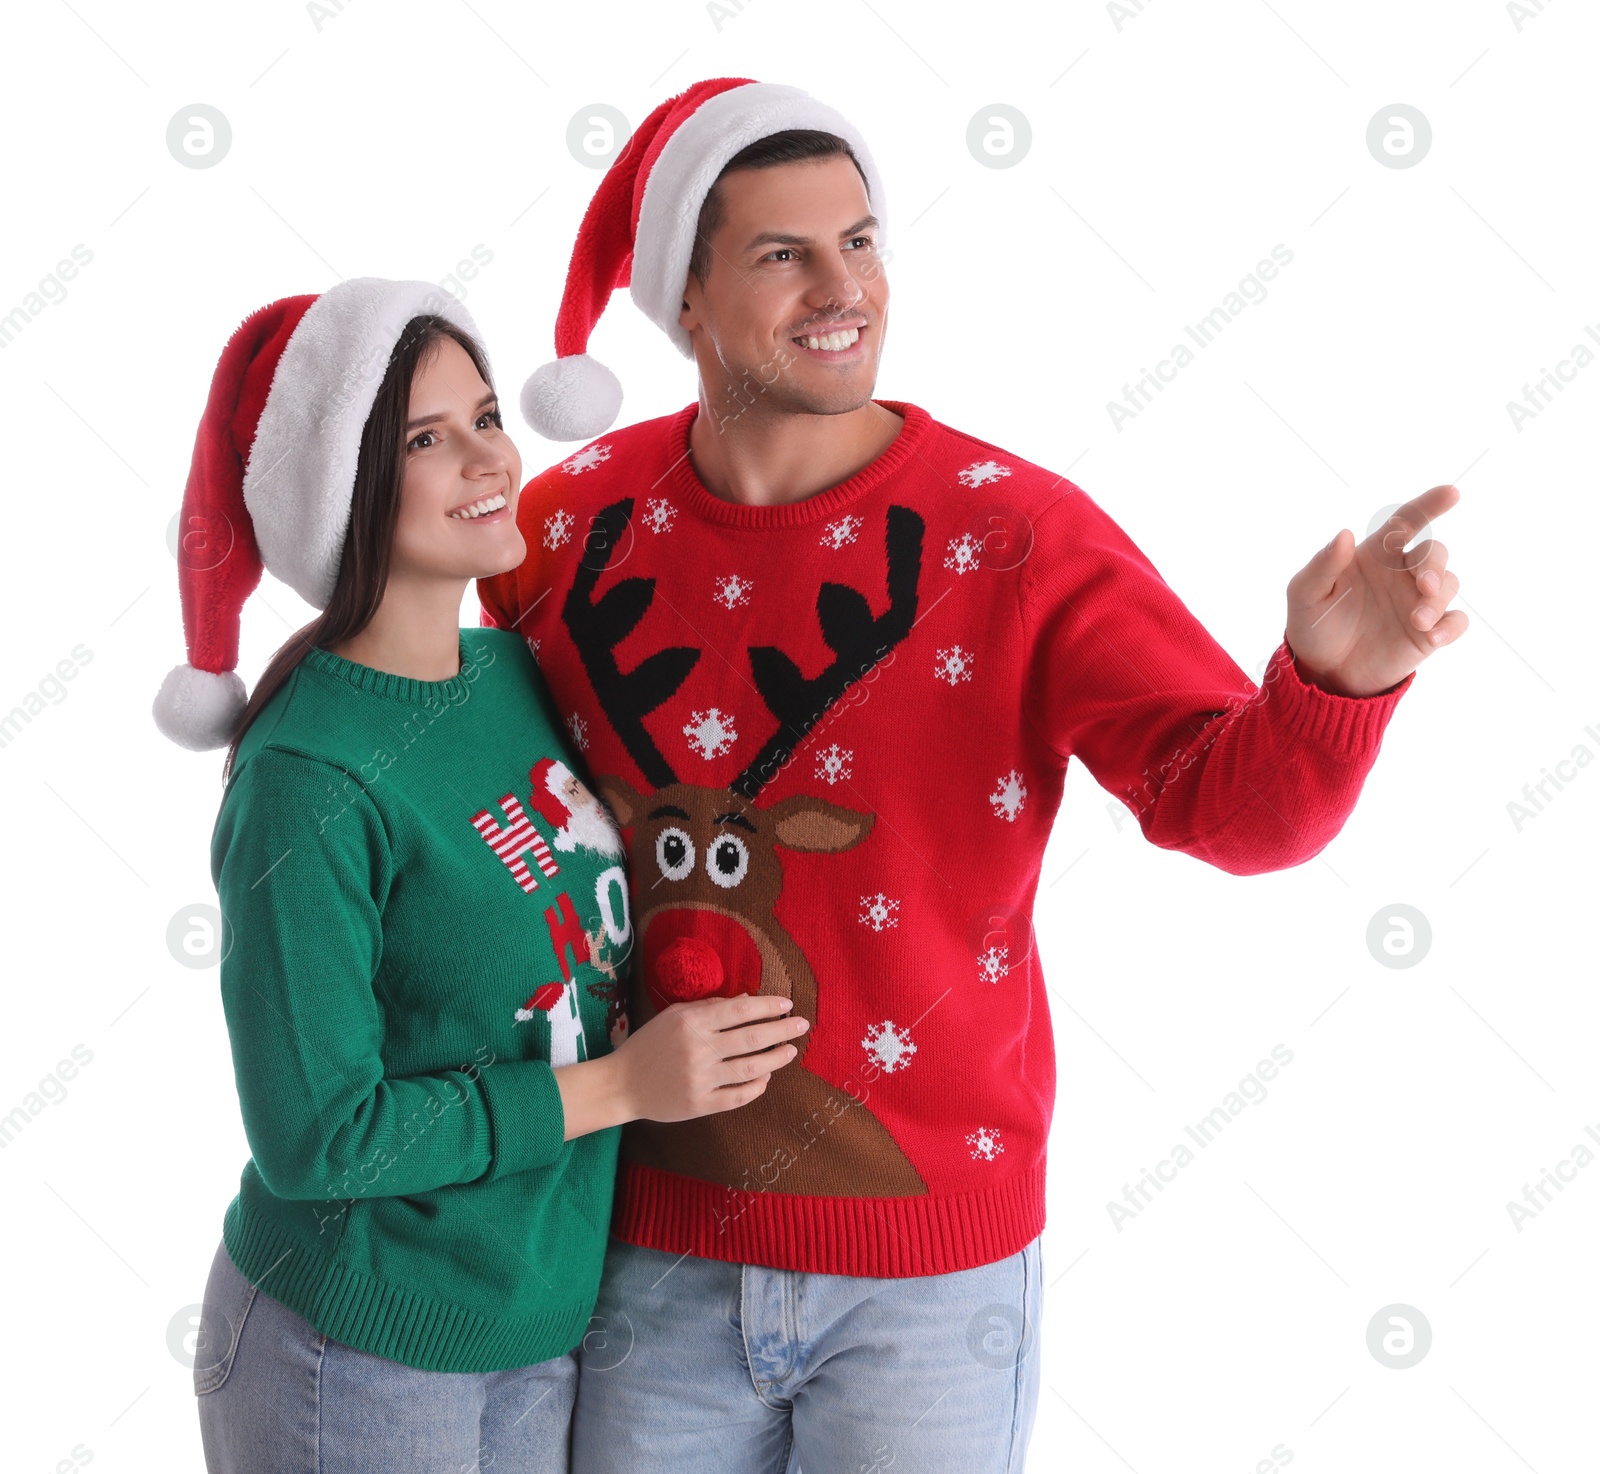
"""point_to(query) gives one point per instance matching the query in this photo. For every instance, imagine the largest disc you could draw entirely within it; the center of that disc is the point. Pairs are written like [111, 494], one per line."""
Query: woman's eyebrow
[489, 398]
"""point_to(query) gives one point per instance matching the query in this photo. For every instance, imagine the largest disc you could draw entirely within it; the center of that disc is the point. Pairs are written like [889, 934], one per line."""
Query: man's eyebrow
[488, 398]
[779, 238]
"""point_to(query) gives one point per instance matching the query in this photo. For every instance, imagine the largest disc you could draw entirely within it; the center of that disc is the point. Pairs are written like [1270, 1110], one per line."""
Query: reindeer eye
[674, 853]
[728, 860]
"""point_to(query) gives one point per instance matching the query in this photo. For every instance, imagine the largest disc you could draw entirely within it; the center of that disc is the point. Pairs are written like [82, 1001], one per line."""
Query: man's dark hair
[791, 146]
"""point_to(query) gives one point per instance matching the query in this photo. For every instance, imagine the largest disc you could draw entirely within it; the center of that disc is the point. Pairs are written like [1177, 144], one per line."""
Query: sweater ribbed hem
[387, 1320]
[893, 1238]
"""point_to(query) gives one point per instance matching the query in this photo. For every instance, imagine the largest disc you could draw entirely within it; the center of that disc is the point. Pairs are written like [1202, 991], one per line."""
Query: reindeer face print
[708, 845]
[706, 866]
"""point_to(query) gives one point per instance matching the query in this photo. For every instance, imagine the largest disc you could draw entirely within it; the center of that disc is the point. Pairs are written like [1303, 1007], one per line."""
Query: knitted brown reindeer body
[707, 871]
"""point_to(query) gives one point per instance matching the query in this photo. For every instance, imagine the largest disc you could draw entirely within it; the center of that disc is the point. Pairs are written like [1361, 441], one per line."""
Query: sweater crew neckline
[391, 687]
[693, 493]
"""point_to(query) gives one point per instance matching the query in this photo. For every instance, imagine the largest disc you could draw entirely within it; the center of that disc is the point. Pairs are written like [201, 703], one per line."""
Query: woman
[425, 921]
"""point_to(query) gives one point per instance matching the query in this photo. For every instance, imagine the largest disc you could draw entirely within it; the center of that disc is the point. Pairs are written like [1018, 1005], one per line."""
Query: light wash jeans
[696, 1366]
[276, 1396]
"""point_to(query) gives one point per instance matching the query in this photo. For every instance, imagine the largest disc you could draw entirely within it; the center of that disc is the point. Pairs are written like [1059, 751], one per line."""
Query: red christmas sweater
[834, 733]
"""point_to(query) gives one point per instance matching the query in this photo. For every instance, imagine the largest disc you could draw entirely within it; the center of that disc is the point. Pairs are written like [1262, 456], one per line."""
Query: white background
[1171, 150]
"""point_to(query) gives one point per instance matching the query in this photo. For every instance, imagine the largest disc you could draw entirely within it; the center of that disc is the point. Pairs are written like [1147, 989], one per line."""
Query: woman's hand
[692, 1059]
[706, 1055]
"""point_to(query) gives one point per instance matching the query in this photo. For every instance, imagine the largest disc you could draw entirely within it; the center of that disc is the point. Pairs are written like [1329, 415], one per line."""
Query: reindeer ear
[621, 798]
[803, 822]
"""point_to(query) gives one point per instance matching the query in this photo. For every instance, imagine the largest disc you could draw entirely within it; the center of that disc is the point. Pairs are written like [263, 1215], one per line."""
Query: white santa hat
[273, 472]
[639, 232]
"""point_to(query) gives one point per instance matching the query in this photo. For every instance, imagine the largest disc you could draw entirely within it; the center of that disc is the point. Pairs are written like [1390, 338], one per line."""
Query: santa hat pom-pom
[572, 398]
[199, 709]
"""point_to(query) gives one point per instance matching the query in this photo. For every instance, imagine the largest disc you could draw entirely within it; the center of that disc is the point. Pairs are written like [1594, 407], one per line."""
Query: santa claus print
[579, 819]
[582, 822]
[598, 930]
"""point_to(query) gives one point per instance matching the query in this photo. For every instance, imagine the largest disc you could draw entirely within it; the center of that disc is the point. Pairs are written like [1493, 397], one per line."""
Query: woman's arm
[302, 891]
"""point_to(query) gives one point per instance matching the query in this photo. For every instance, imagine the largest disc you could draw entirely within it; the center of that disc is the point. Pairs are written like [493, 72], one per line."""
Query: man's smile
[836, 342]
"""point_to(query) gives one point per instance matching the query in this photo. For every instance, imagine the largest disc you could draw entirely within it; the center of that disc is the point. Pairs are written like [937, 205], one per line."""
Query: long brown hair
[374, 510]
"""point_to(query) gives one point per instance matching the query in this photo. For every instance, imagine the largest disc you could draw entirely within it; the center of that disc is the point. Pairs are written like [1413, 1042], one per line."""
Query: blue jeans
[276, 1396]
[696, 1366]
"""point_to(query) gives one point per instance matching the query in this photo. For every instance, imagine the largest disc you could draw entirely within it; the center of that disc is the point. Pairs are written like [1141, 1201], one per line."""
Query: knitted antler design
[858, 638]
[598, 626]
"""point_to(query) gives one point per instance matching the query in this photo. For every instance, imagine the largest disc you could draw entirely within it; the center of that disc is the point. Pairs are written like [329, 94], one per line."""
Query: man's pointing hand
[1363, 616]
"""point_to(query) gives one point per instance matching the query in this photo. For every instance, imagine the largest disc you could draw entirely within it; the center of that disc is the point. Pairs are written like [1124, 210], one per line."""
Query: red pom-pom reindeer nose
[691, 952]
[687, 968]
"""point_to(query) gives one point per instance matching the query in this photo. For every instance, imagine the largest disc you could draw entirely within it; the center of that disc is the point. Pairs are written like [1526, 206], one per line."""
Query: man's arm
[1121, 675]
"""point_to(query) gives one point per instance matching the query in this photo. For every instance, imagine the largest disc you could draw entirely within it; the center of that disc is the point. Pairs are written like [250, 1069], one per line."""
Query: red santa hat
[273, 472]
[548, 775]
[639, 232]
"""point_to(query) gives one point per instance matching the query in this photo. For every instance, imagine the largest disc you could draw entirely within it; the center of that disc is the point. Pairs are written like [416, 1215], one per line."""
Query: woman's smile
[486, 509]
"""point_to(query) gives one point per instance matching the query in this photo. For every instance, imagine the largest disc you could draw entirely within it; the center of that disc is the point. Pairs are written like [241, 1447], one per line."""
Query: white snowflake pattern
[994, 963]
[1009, 797]
[889, 1045]
[880, 911]
[981, 473]
[586, 459]
[953, 665]
[533, 645]
[732, 591]
[833, 764]
[963, 554]
[841, 533]
[710, 732]
[580, 731]
[558, 528]
[985, 1143]
[659, 514]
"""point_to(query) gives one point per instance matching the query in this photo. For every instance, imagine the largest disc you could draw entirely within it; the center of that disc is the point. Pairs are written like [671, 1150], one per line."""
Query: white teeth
[833, 342]
[479, 509]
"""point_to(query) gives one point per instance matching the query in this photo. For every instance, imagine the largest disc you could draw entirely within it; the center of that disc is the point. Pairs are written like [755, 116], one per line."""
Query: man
[827, 659]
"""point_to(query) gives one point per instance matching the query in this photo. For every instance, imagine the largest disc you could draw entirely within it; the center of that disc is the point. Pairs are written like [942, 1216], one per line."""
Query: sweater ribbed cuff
[527, 1124]
[1352, 724]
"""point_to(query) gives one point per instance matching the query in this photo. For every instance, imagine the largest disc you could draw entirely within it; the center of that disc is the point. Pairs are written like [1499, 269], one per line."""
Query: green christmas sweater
[425, 912]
